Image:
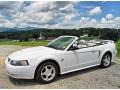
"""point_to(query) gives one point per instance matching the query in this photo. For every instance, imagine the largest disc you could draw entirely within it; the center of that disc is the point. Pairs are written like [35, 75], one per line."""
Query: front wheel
[47, 72]
[106, 60]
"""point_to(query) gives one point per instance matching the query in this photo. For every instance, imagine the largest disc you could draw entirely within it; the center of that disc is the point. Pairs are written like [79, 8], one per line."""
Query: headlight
[19, 63]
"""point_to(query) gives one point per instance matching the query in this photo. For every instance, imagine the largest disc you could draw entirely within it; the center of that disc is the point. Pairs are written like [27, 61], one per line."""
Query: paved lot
[89, 78]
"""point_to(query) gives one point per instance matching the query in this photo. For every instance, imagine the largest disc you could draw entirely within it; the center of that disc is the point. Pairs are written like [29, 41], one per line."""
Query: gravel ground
[89, 78]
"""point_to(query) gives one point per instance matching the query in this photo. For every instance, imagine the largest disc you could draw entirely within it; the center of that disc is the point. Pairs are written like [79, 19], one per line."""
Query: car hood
[32, 52]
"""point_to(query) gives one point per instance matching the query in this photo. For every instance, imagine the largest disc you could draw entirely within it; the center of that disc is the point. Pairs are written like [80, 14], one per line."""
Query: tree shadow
[27, 82]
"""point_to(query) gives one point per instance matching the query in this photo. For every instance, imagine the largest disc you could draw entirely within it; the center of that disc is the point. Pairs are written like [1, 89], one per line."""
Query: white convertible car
[63, 55]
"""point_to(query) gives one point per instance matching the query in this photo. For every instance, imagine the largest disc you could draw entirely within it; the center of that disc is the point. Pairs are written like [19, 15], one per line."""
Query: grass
[43, 43]
[118, 48]
[29, 43]
[89, 38]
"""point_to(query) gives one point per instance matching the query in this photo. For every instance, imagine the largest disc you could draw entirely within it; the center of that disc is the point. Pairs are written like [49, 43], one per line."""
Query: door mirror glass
[74, 47]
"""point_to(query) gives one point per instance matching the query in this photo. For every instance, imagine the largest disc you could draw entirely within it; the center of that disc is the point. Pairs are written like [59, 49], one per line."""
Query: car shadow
[27, 82]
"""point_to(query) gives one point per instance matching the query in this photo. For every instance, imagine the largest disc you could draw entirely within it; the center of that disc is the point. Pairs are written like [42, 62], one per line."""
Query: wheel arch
[104, 54]
[107, 52]
[104, 51]
[47, 60]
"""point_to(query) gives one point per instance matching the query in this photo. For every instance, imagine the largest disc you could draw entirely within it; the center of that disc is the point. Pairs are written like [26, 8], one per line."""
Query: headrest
[82, 42]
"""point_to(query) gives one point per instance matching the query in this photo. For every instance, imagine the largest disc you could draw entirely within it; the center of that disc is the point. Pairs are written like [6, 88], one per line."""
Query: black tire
[38, 75]
[103, 60]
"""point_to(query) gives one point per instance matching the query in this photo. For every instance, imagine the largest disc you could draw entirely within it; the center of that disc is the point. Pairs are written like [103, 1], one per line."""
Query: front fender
[104, 51]
[50, 57]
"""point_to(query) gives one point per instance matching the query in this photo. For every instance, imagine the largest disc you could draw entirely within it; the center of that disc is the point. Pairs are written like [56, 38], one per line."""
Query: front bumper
[20, 72]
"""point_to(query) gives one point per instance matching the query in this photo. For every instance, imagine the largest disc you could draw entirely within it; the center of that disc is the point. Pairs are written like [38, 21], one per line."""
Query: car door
[82, 58]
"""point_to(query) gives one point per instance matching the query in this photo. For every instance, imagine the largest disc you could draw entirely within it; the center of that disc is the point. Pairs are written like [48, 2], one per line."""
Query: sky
[60, 14]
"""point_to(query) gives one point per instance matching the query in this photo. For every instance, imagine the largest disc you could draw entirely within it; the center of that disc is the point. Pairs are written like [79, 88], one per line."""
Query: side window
[87, 44]
[79, 44]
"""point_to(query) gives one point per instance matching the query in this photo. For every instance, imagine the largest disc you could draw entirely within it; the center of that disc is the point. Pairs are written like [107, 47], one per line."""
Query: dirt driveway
[89, 78]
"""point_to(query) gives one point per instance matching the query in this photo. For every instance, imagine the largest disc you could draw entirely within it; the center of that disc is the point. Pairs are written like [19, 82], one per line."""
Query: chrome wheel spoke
[43, 73]
[52, 75]
[106, 63]
[48, 72]
[51, 70]
[46, 68]
[46, 77]
[106, 60]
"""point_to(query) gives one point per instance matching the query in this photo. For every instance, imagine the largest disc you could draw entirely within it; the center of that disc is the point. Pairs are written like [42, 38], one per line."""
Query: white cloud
[103, 20]
[39, 6]
[68, 9]
[5, 23]
[8, 24]
[110, 23]
[53, 15]
[117, 20]
[9, 4]
[95, 11]
[10, 7]
[81, 23]
[89, 22]
[109, 16]
[50, 6]
[2, 20]
[42, 14]
[69, 16]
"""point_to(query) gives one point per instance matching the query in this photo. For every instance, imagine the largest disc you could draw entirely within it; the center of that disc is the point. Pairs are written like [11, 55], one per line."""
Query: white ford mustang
[62, 55]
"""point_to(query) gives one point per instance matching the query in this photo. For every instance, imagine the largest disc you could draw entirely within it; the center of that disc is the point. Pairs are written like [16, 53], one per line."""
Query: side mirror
[74, 47]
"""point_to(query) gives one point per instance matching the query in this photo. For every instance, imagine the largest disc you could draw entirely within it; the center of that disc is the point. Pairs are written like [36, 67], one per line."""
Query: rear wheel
[47, 72]
[106, 60]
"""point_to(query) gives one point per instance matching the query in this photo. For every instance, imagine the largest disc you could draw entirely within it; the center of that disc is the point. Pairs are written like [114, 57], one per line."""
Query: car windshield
[61, 43]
